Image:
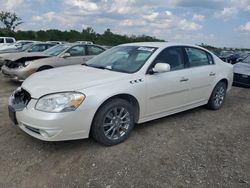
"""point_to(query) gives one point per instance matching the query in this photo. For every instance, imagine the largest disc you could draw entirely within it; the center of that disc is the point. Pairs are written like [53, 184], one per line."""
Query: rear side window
[9, 40]
[197, 57]
[173, 56]
[94, 50]
[1, 40]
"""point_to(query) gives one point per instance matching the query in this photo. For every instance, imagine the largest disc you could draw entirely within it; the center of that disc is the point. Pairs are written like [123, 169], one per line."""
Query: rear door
[202, 73]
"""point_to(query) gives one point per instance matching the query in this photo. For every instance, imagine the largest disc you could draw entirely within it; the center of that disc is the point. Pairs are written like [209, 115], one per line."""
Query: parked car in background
[128, 84]
[57, 42]
[242, 72]
[84, 42]
[6, 40]
[15, 47]
[25, 53]
[60, 55]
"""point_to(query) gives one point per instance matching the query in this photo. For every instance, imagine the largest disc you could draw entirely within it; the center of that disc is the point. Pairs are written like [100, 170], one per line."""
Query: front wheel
[218, 96]
[113, 122]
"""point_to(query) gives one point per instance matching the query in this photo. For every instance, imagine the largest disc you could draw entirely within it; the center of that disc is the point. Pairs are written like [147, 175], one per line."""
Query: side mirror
[29, 50]
[161, 67]
[65, 55]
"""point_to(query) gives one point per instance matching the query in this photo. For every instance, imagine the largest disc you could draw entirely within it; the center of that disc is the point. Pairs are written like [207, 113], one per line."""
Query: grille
[13, 64]
[20, 99]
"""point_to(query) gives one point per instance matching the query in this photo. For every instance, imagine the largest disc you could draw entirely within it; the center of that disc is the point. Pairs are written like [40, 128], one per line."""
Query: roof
[161, 44]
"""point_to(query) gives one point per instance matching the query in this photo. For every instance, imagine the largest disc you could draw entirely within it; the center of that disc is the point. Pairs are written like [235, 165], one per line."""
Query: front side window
[77, 51]
[197, 57]
[127, 59]
[38, 48]
[1, 40]
[94, 50]
[9, 40]
[173, 56]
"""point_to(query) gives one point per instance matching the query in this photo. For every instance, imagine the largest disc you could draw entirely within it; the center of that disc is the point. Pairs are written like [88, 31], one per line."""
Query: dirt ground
[197, 148]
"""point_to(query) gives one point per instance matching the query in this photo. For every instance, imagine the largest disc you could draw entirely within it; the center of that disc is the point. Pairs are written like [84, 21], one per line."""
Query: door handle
[212, 74]
[184, 79]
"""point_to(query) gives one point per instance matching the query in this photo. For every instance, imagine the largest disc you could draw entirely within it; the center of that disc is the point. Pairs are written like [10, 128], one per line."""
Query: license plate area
[12, 115]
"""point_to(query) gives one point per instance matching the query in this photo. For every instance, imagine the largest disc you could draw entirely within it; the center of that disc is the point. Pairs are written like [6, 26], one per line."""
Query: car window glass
[9, 40]
[1, 40]
[94, 50]
[49, 46]
[197, 57]
[247, 60]
[127, 59]
[210, 58]
[77, 51]
[38, 48]
[172, 56]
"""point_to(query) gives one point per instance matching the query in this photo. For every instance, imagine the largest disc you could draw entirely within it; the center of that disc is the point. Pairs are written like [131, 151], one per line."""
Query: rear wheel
[218, 96]
[113, 122]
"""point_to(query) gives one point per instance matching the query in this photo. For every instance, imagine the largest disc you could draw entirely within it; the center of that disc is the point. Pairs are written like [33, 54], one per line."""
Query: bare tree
[10, 20]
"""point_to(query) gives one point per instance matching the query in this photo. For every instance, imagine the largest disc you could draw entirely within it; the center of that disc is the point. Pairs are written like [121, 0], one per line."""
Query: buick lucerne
[127, 84]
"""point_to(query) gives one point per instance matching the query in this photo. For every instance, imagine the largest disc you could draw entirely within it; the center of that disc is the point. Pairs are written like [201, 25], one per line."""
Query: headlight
[27, 63]
[60, 102]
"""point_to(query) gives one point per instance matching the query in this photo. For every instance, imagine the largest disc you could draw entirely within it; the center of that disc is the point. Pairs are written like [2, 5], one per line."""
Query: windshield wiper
[96, 66]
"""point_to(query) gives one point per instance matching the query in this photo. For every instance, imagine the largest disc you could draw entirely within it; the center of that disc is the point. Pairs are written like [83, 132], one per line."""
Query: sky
[222, 23]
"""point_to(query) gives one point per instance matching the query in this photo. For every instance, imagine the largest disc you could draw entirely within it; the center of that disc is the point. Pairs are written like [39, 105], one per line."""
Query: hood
[69, 78]
[18, 55]
[242, 68]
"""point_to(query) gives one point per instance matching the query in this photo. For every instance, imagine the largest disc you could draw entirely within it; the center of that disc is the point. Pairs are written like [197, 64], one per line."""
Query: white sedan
[128, 84]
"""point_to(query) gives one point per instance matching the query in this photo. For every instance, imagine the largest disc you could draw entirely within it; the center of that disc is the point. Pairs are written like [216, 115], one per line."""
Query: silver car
[29, 51]
[60, 55]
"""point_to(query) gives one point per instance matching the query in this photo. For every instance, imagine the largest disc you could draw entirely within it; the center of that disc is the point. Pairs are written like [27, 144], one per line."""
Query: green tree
[9, 20]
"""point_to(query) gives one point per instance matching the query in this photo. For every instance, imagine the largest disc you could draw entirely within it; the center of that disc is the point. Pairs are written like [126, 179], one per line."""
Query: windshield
[26, 46]
[247, 60]
[127, 59]
[56, 50]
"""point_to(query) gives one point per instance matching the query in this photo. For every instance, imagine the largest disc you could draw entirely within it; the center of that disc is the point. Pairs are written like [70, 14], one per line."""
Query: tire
[116, 113]
[218, 96]
[44, 68]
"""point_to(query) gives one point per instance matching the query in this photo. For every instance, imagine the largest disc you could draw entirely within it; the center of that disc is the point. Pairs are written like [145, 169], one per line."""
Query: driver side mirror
[65, 55]
[29, 50]
[161, 68]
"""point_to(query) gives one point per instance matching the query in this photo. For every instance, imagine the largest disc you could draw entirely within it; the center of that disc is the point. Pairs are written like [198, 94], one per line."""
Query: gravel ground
[197, 148]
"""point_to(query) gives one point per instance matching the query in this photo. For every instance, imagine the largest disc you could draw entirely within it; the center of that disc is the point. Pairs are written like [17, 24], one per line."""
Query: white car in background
[6, 40]
[14, 47]
[128, 84]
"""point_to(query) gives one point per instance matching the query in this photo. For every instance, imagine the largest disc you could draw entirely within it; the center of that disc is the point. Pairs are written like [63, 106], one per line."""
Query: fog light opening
[44, 133]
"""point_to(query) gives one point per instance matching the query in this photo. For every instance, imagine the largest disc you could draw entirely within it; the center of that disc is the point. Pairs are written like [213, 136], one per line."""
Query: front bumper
[55, 126]
[17, 74]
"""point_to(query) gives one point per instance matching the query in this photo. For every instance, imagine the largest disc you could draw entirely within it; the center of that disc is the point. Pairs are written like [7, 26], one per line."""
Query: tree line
[9, 21]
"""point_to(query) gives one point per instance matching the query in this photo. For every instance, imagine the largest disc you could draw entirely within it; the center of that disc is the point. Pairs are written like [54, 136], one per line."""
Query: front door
[168, 91]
